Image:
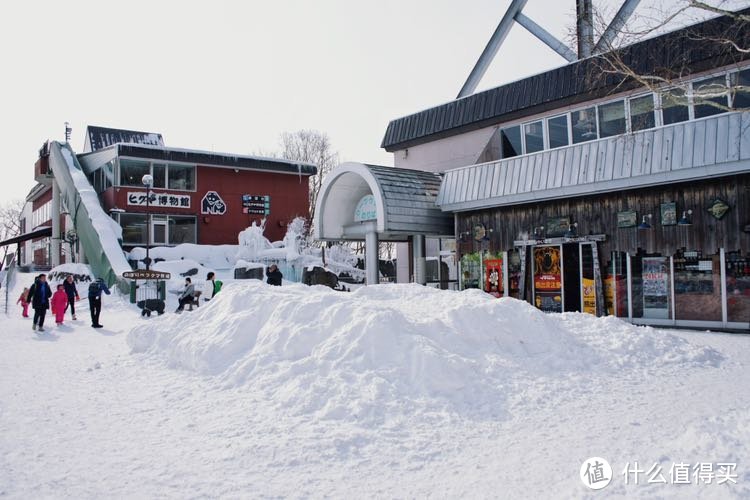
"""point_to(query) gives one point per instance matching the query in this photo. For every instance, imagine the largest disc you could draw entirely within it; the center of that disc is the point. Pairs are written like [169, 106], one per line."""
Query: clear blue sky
[232, 75]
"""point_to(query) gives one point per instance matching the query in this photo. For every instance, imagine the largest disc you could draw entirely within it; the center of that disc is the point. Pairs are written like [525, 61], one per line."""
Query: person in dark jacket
[39, 295]
[72, 292]
[95, 300]
[274, 275]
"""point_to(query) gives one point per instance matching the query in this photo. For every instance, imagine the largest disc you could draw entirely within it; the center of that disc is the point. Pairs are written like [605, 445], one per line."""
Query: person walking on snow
[186, 296]
[274, 275]
[39, 295]
[24, 302]
[59, 304]
[95, 300]
[71, 292]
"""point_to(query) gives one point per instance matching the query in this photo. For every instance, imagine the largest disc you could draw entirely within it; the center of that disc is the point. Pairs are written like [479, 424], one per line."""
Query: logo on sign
[212, 204]
[366, 209]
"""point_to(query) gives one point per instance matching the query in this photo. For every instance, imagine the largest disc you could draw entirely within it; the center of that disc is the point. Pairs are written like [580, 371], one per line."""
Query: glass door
[159, 228]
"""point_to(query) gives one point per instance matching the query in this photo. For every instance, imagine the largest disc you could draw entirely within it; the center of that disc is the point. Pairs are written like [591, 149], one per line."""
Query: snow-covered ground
[388, 391]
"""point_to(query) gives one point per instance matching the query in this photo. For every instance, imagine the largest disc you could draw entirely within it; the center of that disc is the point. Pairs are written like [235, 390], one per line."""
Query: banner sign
[138, 199]
[142, 274]
[656, 287]
[547, 279]
[589, 295]
[256, 205]
[366, 209]
[493, 277]
[212, 204]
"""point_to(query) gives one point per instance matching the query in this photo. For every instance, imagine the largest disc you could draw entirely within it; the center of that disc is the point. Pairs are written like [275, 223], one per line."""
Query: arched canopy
[404, 204]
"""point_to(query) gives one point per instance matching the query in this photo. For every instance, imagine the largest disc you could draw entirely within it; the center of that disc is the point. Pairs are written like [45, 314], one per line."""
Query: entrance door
[159, 231]
[572, 276]
[547, 272]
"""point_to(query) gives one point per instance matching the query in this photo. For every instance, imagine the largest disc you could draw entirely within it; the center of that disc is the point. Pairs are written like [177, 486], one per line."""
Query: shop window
[615, 276]
[132, 172]
[534, 136]
[181, 177]
[108, 174]
[612, 119]
[159, 171]
[710, 97]
[557, 131]
[134, 228]
[514, 274]
[738, 287]
[583, 123]
[651, 287]
[642, 113]
[182, 230]
[697, 286]
[511, 141]
[741, 93]
[674, 106]
[471, 270]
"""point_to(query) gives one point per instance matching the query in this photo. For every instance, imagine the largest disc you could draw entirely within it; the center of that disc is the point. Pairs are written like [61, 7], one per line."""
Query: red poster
[547, 279]
[493, 277]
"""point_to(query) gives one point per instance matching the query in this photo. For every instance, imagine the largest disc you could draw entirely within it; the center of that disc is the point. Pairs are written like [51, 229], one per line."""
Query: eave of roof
[572, 84]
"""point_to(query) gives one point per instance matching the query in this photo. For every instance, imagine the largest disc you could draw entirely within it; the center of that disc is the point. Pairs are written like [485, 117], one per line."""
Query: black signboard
[142, 274]
[256, 205]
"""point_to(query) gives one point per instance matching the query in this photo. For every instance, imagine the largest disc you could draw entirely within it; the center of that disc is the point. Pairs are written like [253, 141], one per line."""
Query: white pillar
[55, 210]
[420, 264]
[371, 258]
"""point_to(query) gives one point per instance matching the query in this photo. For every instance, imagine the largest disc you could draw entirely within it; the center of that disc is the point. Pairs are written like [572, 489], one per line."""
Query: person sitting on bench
[186, 296]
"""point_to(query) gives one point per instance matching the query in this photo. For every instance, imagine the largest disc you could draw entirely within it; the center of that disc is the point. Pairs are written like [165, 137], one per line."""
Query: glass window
[471, 270]
[159, 171]
[651, 287]
[583, 123]
[674, 106]
[738, 287]
[642, 113]
[612, 119]
[181, 230]
[712, 90]
[108, 171]
[133, 229]
[615, 277]
[741, 95]
[697, 286]
[557, 131]
[511, 139]
[132, 171]
[534, 136]
[182, 177]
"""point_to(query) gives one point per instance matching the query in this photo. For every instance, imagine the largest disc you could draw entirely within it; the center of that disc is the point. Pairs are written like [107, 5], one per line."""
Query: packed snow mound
[81, 273]
[210, 256]
[394, 348]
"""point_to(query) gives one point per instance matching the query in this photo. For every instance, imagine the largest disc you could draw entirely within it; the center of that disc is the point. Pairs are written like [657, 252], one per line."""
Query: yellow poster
[589, 296]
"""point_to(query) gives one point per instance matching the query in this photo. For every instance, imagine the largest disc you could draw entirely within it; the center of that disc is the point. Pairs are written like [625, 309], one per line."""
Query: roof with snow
[100, 137]
[676, 54]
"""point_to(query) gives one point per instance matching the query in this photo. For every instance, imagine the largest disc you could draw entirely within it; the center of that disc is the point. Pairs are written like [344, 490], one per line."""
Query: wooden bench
[196, 301]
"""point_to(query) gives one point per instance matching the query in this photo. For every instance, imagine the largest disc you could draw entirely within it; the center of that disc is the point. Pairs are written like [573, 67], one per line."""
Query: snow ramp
[98, 234]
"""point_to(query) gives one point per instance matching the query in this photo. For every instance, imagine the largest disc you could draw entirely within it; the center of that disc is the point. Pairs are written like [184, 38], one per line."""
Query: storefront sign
[256, 204]
[656, 287]
[493, 277]
[589, 295]
[366, 209]
[547, 279]
[557, 226]
[212, 204]
[718, 208]
[138, 199]
[628, 218]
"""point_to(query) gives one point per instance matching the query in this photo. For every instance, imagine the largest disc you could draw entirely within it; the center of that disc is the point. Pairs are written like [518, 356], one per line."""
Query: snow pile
[210, 256]
[179, 270]
[81, 273]
[393, 348]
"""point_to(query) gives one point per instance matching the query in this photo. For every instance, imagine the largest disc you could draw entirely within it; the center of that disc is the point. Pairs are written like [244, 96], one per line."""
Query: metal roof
[405, 201]
[711, 147]
[681, 52]
[101, 137]
[37, 233]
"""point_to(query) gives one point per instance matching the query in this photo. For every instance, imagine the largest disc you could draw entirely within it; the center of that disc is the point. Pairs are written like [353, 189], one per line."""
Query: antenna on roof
[68, 130]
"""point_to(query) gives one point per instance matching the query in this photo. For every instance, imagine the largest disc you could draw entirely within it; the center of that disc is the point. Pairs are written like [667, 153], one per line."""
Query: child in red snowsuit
[24, 303]
[59, 303]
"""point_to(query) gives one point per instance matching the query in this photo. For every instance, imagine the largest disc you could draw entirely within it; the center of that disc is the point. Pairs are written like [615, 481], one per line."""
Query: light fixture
[571, 232]
[644, 224]
[539, 231]
[685, 220]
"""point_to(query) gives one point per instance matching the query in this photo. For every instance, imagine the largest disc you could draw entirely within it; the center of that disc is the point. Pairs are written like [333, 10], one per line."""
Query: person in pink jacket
[59, 304]
[24, 302]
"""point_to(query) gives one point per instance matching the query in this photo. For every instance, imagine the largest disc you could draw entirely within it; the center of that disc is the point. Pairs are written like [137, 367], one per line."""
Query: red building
[198, 197]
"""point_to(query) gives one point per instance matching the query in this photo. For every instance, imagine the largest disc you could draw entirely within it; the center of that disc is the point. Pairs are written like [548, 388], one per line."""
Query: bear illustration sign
[212, 204]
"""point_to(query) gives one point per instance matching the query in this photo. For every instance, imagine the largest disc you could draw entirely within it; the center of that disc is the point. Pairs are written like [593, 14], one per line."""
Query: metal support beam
[546, 37]
[480, 68]
[420, 263]
[372, 273]
[585, 27]
[55, 239]
[626, 10]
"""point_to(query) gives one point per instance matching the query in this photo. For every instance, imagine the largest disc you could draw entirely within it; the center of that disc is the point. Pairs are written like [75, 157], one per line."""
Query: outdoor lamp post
[148, 182]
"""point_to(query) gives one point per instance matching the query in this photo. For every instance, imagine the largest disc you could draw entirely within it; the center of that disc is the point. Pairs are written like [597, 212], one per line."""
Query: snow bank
[210, 256]
[80, 272]
[395, 349]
